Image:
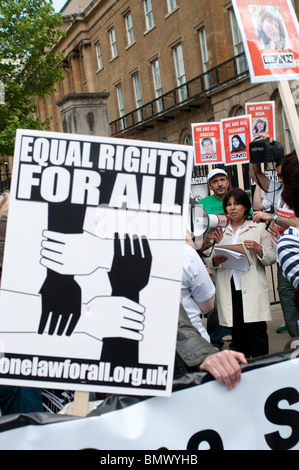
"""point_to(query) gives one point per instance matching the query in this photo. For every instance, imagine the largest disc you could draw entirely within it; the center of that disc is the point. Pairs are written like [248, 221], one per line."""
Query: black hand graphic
[61, 301]
[128, 276]
[130, 273]
[61, 295]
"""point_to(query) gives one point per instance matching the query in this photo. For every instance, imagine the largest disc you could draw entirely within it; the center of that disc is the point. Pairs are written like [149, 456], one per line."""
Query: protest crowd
[234, 302]
[142, 240]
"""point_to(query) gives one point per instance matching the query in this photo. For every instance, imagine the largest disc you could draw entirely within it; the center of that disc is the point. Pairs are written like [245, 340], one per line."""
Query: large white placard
[93, 262]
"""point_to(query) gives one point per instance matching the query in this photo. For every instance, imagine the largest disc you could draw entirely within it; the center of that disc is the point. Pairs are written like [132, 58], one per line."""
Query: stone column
[88, 65]
[76, 78]
[85, 113]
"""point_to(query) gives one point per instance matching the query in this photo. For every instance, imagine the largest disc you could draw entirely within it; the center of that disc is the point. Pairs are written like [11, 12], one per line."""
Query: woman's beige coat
[256, 304]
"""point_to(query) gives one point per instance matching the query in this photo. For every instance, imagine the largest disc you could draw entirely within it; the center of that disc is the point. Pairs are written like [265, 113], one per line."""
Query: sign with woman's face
[270, 36]
[236, 136]
[263, 117]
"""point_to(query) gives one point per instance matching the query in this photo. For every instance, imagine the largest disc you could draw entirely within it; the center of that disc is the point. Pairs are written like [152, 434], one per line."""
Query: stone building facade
[161, 65]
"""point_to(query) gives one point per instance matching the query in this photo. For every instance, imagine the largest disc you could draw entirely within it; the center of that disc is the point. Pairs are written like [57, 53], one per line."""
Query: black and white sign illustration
[93, 262]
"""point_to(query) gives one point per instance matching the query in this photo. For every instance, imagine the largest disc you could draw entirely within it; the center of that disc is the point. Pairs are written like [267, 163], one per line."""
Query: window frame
[158, 86]
[180, 71]
[129, 28]
[113, 43]
[171, 5]
[241, 62]
[121, 103]
[99, 55]
[205, 57]
[138, 94]
[149, 15]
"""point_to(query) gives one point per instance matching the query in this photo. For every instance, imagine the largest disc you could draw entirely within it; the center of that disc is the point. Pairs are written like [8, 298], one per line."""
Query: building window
[180, 72]
[112, 38]
[99, 55]
[239, 111]
[149, 15]
[205, 58]
[138, 95]
[121, 103]
[171, 5]
[157, 84]
[129, 28]
[188, 140]
[238, 44]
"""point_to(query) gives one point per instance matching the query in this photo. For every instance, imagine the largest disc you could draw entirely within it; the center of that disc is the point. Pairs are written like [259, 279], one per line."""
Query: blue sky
[58, 4]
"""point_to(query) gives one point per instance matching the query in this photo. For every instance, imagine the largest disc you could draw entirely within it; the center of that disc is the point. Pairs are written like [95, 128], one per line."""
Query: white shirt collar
[236, 234]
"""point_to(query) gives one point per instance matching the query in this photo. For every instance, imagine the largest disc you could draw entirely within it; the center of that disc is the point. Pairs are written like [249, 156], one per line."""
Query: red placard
[236, 137]
[263, 117]
[207, 143]
[270, 34]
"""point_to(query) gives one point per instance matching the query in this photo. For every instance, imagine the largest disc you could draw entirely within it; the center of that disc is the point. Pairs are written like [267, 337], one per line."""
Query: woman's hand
[212, 237]
[253, 247]
[217, 260]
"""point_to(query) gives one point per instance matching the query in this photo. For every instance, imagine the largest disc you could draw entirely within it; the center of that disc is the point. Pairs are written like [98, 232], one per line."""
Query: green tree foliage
[29, 31]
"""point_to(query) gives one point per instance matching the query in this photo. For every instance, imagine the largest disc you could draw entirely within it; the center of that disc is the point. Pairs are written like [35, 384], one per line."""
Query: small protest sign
[263, 117]
[236, 136]
[207, 143]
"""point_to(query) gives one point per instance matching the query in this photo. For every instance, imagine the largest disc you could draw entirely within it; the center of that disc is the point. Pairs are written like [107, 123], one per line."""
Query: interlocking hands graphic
[118, 320]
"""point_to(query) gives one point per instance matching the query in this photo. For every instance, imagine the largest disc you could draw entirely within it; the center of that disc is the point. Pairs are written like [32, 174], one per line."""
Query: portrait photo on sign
[208, 145]
[237, 143]
[269, 27]
[260, 125]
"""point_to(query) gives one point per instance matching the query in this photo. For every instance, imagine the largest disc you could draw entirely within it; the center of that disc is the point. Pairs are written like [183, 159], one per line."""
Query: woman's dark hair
[255, 129]
[290, 178]
[241, 145]
[240, 197]
[272, 16]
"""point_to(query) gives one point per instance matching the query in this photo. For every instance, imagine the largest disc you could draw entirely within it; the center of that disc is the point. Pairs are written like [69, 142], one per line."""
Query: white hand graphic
[76, 254]
[109, 317]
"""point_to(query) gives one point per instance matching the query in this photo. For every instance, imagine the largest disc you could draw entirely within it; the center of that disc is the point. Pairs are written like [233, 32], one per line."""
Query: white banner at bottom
[261, 413]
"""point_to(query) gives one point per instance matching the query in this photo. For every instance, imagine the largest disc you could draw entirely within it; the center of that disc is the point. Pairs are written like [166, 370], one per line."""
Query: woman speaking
[242, 296]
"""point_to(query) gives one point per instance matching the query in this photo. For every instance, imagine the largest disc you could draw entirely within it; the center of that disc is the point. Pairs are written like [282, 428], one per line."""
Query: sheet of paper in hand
[235, 259]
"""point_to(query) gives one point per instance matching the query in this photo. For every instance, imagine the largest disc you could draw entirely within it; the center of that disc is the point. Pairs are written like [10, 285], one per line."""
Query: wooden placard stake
[81, 401]
[290, 111]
